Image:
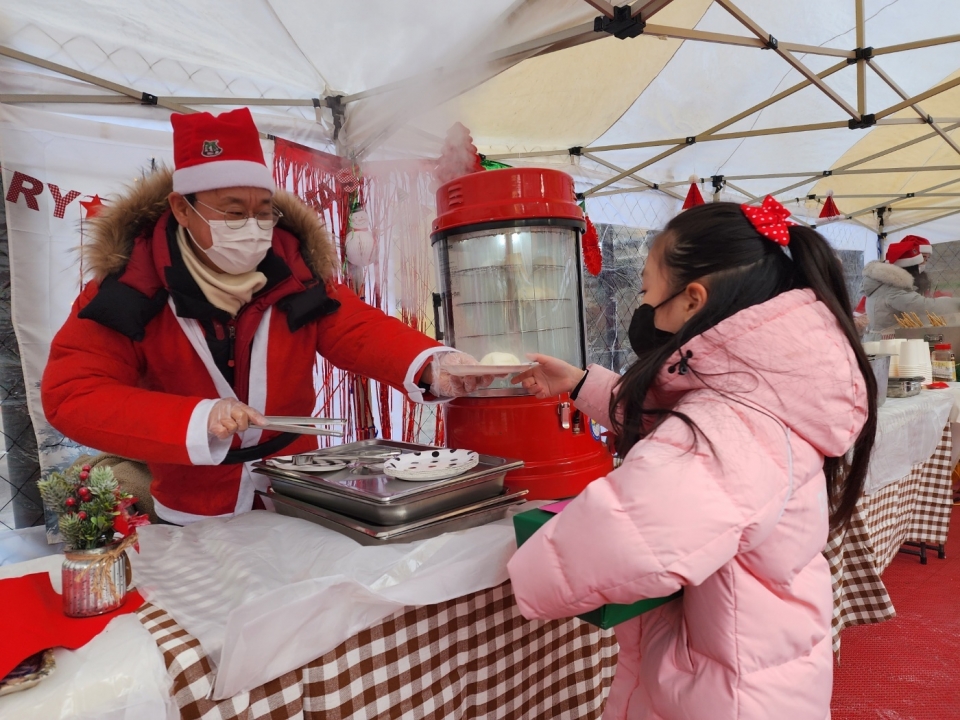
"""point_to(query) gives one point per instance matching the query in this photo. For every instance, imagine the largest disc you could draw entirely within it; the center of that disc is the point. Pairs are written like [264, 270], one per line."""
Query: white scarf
[222, 290]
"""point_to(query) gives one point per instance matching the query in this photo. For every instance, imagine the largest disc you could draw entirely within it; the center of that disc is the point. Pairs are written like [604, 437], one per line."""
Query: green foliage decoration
[87, 502]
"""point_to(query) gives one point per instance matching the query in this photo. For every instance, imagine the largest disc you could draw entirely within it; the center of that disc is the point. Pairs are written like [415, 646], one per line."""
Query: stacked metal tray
[365, 533]
[362, 493]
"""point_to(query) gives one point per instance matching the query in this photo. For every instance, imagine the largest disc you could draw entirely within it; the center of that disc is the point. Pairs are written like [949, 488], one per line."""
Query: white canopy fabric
[532, 77]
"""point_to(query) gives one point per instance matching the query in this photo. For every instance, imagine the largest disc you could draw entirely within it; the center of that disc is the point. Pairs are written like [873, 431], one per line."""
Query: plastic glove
[549, 378]
[229, 416]
[445, 385]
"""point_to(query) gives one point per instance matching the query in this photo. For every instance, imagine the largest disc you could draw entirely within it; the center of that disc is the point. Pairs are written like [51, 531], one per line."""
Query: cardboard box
[525, 524]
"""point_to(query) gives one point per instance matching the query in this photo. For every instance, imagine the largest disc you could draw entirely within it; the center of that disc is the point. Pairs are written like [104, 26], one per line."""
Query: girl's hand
[550, 378]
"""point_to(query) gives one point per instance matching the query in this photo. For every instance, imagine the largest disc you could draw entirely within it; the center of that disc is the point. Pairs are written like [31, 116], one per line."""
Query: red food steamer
[507, 244]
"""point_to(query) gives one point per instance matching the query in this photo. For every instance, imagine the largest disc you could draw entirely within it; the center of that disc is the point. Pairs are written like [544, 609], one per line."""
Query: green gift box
[525, 524]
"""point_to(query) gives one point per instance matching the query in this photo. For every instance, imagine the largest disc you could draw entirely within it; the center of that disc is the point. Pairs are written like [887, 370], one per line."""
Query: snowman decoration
[360, 245]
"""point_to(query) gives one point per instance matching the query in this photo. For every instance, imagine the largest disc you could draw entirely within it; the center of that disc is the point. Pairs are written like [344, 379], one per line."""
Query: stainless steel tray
[480, 513]
[367, 494]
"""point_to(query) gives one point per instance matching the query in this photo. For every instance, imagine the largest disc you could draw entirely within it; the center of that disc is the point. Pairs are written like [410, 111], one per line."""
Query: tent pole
[121, 99]
[878, 195]
[650, 8]
[919, 193]
[861, 62]
[602, 5]
[927, 208]
[871, 171]
[916, 44]
[916, 107]
[739, 40]
[642, 181]
[70, 99]
[929, 220]
[788, 56]
[631, 171]
[726, 123]
[143, 97]
[895, 148]
[936, 90]
[711, 138]
[880, 154]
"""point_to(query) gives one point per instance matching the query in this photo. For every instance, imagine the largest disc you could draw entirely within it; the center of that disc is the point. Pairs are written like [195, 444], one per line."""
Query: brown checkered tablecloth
[472, 657]
[914, 509]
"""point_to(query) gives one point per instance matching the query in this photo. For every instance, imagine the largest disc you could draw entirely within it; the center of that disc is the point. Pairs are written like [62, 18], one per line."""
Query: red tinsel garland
[327, 184]
[592, 256]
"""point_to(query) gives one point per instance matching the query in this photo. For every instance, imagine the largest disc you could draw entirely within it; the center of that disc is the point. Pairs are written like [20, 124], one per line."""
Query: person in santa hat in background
[922, 280]
[890, 287]
[212, 294]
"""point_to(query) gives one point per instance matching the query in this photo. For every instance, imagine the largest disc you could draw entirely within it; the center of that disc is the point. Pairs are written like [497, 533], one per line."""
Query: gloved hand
[229, 416]
[445, 385]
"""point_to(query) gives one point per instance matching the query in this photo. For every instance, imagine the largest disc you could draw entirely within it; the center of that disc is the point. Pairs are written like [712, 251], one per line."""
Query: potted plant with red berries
[98, 524]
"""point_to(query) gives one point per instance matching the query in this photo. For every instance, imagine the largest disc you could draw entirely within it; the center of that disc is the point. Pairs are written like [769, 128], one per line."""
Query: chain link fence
[20, 504]
[943, 268]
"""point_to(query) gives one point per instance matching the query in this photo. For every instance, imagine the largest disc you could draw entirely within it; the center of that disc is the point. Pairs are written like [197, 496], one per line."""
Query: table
[914, 507]
[472, 655]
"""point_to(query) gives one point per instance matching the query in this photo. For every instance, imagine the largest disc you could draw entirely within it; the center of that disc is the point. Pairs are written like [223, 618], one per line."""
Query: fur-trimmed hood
[879, 273]
[133, 215]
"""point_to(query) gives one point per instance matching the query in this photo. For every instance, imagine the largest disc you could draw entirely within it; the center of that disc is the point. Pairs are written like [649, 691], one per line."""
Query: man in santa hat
[213, 294]
[890, 287]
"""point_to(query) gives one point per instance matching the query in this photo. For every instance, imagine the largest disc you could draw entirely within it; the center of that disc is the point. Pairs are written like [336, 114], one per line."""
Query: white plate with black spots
[431, 464]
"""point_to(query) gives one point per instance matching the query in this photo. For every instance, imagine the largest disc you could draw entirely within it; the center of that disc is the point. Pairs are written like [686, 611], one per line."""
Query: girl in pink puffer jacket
[750, 387]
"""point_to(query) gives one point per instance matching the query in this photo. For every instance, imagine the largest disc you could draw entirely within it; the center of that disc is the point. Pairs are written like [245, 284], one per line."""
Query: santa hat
[694, 197]
[905, 253]
[830, 209]
[925, 247]
[210, 152]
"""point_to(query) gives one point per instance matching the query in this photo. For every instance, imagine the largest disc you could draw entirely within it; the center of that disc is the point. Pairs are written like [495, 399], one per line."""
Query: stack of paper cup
[891, 348]
[914, 360]
[872, 348]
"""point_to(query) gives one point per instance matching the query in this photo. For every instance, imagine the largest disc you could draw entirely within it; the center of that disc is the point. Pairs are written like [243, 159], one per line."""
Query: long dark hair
[716, 244]
[921, 281]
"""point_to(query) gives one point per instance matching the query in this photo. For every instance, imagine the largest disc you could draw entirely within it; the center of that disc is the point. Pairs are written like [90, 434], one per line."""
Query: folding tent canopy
[791, 98]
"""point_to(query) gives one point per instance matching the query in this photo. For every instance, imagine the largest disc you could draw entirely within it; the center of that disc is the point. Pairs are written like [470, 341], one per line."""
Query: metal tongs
[354, 461]
[303, 425]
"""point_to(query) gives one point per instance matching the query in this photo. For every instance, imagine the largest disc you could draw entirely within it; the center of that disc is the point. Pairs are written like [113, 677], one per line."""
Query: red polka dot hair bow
[770, 220]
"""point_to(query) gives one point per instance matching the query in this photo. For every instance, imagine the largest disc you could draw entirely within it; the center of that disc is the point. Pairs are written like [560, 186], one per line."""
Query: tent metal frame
[861, 56]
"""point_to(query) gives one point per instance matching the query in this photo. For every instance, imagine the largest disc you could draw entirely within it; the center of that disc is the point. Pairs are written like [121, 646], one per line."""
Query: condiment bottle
[944, 363]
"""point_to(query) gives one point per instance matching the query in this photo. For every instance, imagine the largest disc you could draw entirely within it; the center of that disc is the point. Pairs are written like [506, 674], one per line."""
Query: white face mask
[922, 266]
[236, 251]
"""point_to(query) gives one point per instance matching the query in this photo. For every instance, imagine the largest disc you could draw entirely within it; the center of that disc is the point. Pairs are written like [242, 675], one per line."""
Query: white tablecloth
[263, 593]
[119, 675]
[908, 431]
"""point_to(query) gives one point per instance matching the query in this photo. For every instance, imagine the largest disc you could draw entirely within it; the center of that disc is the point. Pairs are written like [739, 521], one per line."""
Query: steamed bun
[500, 358]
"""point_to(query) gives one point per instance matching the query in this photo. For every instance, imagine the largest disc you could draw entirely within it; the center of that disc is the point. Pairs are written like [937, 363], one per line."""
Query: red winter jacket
[143, 355]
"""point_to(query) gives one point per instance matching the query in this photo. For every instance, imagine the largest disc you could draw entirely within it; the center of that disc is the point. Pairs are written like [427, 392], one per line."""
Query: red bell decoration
[829, 209]
[592, 256]
[694, 197]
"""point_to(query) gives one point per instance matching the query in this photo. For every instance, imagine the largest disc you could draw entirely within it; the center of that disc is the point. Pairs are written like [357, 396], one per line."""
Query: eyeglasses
[267, 220]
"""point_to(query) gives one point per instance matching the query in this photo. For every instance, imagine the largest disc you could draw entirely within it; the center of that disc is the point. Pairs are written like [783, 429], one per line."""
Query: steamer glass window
[514, 291]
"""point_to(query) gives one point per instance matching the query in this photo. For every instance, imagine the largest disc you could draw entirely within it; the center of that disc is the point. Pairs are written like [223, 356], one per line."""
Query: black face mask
[644, 335]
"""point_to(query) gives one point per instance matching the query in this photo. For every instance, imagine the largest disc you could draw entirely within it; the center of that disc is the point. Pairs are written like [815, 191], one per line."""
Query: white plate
[431, 464]
[285, 462]
[469, 370]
